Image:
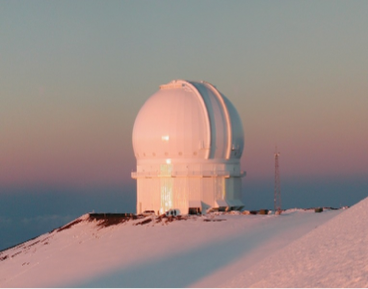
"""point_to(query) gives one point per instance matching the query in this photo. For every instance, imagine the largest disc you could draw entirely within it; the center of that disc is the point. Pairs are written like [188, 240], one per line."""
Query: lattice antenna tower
[277, 191]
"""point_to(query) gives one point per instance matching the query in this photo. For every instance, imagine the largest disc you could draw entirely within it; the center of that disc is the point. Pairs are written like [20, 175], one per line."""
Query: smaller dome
[188, 120]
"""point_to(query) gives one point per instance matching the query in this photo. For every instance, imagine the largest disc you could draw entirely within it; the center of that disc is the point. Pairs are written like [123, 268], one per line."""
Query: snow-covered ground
[296, 249]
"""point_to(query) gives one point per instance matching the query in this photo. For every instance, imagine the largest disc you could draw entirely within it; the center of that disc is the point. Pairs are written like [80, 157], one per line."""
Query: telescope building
[188, 140]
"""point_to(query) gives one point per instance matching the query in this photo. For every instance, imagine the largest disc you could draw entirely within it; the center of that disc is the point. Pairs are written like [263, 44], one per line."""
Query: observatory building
[188, 140]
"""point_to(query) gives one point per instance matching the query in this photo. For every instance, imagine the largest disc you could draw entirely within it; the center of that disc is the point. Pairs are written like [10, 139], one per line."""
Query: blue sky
[73, 75]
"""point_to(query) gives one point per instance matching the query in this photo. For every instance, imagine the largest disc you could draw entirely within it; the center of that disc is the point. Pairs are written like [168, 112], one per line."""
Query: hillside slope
[333, 255]
[200, 251]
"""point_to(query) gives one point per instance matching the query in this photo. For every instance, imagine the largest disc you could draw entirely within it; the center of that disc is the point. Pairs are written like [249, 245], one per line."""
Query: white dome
[188, 120]
[188, 140]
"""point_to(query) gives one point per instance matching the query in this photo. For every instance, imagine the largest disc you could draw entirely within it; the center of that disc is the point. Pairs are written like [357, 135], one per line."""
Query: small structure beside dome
[188, 140]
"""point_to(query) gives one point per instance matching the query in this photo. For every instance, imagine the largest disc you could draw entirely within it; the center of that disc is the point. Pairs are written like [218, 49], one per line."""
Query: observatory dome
[187, 120]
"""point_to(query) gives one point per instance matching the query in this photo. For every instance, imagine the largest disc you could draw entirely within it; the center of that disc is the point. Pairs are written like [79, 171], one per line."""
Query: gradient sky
[74, 74]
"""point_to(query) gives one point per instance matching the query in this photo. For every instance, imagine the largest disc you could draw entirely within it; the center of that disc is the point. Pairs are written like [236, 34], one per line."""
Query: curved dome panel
[237, 139]
[187, 120]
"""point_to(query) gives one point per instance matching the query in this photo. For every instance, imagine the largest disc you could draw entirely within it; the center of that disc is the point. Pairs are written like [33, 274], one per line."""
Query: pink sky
[72, 83]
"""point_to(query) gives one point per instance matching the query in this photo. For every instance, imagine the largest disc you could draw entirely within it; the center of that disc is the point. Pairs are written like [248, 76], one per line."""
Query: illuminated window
[165, 138]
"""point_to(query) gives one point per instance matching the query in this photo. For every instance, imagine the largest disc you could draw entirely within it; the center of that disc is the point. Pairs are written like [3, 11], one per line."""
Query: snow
[296, 249]
[333, 255]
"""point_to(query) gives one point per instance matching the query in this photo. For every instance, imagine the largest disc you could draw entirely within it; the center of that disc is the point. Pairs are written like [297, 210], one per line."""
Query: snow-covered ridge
[101, 221]
[108, 219]
[333, 255]
[217, 249]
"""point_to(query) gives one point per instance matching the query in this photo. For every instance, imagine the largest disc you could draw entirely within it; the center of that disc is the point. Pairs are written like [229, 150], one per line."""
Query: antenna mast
[277, 191]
